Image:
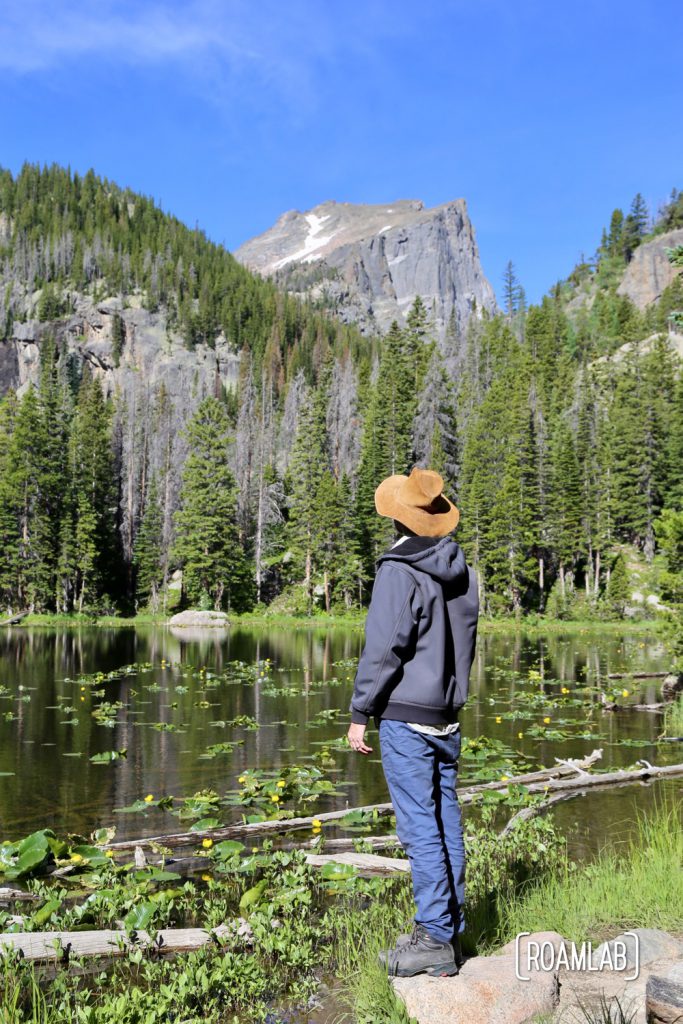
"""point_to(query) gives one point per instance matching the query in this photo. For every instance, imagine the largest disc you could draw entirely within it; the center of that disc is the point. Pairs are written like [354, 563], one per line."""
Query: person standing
[413, 679]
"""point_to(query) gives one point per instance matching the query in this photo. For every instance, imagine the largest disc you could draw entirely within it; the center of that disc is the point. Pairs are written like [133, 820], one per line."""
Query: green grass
[639, 886]
[531, 624]
[359, 938]
[673, 718]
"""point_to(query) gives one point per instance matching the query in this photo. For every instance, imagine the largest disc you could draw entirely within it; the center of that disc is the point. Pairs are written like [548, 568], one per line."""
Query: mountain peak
[370, 260]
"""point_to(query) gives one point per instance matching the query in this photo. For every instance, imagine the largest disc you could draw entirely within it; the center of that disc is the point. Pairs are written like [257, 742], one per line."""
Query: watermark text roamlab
[548, 956]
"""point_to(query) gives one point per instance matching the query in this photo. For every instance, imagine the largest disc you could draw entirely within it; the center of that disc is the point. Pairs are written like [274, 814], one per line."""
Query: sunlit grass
[640, 886]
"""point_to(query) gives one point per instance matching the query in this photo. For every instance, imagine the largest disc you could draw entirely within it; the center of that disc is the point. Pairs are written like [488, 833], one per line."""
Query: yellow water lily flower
[317, 823]
[316, 831]
[149, 798]
[207, 843]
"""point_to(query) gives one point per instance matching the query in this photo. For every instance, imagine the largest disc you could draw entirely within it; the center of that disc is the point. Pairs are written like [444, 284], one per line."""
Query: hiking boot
[457, 949]
[419, 954]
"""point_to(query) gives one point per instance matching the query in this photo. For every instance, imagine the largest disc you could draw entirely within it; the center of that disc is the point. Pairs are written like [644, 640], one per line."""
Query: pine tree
[674, 494]
[118, 338]
[434, 430]
[512, 535]
[511, 290]
[90, 560]
[148, 551]
[305, 472]
[206, 537]
[617, 593]
[635, 226]
[565, 503]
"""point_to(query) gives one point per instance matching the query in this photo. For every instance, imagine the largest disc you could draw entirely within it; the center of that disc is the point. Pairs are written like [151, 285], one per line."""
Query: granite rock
[370, 261]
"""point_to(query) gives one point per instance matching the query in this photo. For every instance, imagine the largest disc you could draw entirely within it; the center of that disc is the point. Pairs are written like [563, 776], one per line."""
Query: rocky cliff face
[369, 262]
[650, 272]
[156, 386]
[151, 356]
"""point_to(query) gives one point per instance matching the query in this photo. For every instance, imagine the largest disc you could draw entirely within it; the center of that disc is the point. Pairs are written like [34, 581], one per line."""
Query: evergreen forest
[557, 427]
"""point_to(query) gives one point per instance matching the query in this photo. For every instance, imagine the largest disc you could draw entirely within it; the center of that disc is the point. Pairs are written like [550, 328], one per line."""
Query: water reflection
[46, 777]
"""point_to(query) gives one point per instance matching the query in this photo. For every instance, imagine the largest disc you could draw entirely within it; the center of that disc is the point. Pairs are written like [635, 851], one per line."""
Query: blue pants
[421, 773]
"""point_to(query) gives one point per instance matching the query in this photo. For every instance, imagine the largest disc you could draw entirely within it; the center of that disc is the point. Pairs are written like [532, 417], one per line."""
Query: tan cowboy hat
[417, 501]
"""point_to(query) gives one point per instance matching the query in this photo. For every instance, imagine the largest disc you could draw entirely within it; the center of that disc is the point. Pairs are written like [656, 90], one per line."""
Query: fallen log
[636, 675]
[44, 946]
[367, 863]
[280, 825]
[613, 705]
[534, 810]
[14, 619]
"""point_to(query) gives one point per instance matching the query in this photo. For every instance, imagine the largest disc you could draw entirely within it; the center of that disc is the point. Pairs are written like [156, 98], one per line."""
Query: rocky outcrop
[156, 387]
[649, 271]
[486, 990]
[639, 972]
[150, 354]
[369, 262]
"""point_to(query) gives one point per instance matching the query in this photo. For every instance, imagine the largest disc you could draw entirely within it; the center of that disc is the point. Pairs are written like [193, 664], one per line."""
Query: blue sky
[543, 116]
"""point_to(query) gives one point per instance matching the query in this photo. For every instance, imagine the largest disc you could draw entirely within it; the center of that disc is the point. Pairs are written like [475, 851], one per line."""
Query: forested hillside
[559, 442]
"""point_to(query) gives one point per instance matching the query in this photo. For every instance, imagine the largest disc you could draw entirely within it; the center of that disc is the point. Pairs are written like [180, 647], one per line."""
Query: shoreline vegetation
[308, 928]
[323, 620]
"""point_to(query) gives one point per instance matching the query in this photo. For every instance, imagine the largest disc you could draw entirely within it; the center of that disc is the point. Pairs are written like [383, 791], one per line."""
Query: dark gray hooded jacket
[420, 635]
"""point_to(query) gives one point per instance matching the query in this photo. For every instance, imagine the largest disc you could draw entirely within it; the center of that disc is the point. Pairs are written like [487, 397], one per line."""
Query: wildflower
[624, 693]
[109, 853]
[498, 719]
[520, 735]
[76, 858]
[317, 823]
[207, 878]
[565, 689]
[546, 721]
[281, 784]
[82, 698]
[503, 778]
[149, 798]
[275, 798]
[316, 831]
[207, 843]
[242, 778]
[82, 689]
[254, 849]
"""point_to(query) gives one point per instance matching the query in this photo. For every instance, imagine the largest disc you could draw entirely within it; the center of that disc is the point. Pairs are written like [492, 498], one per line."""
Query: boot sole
[447, 970]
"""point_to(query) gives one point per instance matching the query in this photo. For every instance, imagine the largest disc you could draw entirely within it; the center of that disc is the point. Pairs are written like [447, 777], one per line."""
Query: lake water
[166, 716]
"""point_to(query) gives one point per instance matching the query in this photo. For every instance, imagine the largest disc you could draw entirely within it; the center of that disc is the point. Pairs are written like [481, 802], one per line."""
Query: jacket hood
[441, 557]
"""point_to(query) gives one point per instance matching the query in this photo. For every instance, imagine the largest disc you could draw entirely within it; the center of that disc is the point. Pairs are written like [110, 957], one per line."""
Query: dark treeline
[557, 452]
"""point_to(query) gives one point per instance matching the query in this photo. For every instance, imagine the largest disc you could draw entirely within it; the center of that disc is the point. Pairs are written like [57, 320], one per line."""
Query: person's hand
[356, 738]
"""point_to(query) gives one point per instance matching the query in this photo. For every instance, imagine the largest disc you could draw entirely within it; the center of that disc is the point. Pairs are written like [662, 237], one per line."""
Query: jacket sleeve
[389, 630]
[464, 615]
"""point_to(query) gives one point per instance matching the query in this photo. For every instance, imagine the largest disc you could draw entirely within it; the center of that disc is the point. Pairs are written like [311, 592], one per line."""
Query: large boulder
[487, 991]
[195, 619]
